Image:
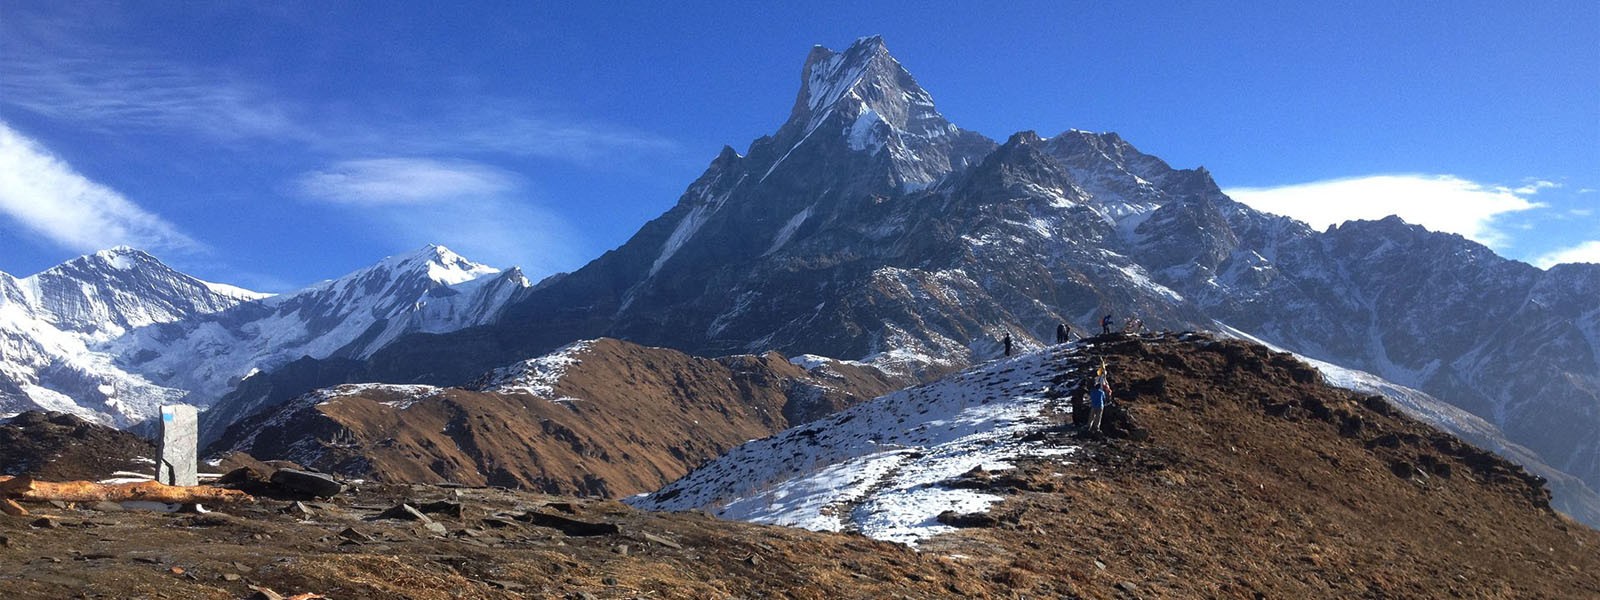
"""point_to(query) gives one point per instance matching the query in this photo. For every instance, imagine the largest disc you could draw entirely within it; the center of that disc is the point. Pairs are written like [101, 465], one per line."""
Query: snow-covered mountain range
[869, 227]
[915, 248]
[113, 335]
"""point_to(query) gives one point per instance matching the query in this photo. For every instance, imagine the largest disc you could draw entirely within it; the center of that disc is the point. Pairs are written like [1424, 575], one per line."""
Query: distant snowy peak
[112, 291]
[433, 264]
[393, 285]
[440, 265]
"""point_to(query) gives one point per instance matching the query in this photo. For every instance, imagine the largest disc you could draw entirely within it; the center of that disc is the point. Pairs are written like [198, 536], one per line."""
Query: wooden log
[10, 507]
[26, 489]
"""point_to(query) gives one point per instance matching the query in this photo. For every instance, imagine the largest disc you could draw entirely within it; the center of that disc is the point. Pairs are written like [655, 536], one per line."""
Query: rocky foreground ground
[1243, 477]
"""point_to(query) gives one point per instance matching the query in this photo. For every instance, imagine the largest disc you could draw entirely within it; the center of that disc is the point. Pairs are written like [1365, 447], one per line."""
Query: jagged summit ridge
[863, 100]
[865, 79]
[110, 292]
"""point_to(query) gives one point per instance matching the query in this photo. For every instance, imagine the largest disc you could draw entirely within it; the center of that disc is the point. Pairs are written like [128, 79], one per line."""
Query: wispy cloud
[50, 198]
[507, 130]
[1532, 187]
[1587, 252]
[403, 181]
[481, 211]
[1438, 202]
[110, 92]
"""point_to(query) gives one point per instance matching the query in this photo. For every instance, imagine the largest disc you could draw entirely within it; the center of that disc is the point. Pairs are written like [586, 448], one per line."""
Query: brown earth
[625, 419]
[487, 552]
[61, 447]
[1255, 481]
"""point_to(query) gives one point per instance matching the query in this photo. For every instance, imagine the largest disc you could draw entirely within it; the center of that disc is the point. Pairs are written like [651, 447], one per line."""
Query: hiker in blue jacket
[1105, 324]
[1098, 397]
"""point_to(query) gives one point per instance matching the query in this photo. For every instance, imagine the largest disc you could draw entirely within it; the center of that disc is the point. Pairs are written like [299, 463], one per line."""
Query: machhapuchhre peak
[833, 370]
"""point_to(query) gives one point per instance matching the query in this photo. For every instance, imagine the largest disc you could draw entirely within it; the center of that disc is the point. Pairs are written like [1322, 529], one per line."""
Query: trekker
[1007, 342]
[1105, 324]
[1098, 397]
[1063, 333]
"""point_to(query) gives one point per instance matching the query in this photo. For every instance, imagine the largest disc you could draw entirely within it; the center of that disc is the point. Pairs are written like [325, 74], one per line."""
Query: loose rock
[404, 512]
[306, 482]
[571, 527]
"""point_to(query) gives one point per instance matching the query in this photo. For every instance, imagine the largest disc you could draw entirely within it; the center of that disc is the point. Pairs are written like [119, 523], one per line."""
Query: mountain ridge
[114, 333]
[806, 244]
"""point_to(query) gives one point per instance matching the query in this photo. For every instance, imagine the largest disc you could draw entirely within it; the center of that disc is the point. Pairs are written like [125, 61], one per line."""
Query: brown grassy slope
[135, 554]
[630, 418]
[62, 447]
[1257, 481]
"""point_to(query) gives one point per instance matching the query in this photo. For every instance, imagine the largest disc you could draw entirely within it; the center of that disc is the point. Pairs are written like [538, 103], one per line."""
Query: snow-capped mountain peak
[863, 102]
[113, 334]
[866, 84]
[438, 264]
[113, 291]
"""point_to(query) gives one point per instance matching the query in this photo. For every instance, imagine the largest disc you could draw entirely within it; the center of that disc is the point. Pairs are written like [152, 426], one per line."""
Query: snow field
[878, 468]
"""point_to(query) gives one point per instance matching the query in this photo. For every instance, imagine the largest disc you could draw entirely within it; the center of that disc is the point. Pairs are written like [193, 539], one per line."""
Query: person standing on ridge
[1105, 324]
[1007, 341]
[1063, 333]
[1098, 397]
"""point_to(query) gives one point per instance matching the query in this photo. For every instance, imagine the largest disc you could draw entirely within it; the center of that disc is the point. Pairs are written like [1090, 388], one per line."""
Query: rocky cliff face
[1511, 343]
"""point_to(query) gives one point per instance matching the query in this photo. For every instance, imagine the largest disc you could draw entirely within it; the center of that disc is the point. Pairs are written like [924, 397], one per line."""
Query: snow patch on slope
[788, 230]
[536, 376]
[877, 468]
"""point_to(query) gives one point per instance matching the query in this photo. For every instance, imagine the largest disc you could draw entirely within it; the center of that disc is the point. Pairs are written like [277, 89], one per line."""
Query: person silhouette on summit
[1105, 324]
[1063, 333]
[1007, 342]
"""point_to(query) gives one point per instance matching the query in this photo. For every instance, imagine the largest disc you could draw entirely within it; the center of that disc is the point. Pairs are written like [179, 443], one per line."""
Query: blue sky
[271, 145]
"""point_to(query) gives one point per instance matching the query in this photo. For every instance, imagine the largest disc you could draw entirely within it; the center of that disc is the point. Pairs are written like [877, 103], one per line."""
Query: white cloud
[403, 181]
[1587, 252]
[44, 194]
[116, 94]
[1438, 202]
[1532, 187]
[476, 209]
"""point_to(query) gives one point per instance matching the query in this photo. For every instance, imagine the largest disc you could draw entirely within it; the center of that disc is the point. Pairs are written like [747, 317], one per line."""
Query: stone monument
[180, 439]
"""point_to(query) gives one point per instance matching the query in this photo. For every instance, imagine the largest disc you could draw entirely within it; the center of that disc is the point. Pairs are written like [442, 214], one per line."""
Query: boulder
[307, 482]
